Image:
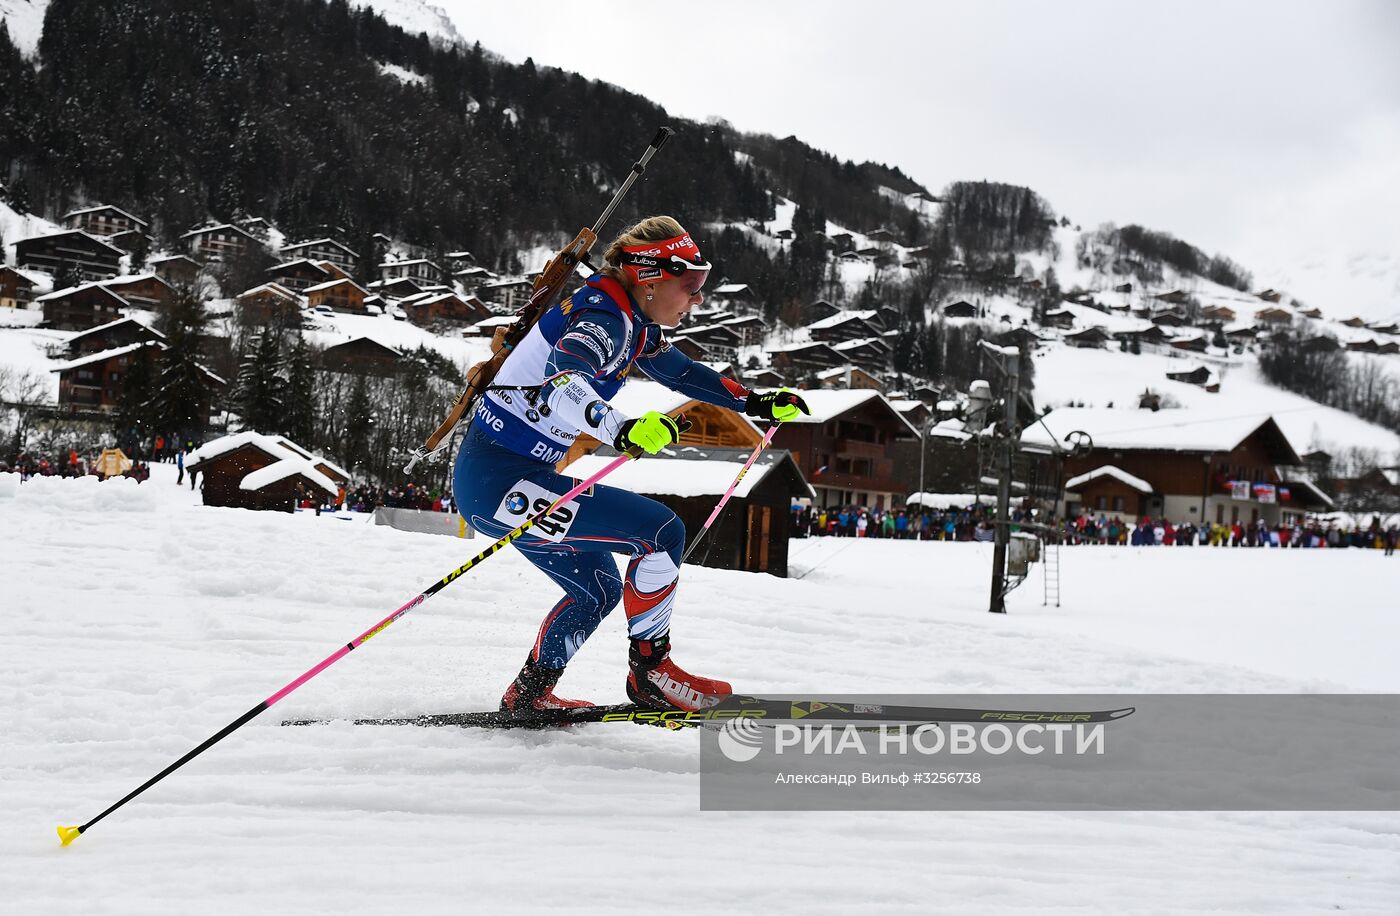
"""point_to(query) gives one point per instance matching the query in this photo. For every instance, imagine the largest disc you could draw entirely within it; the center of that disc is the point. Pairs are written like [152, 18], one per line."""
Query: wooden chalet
[960, 309]
[752, 533]
[1201, 376]
[146, 291]
[1018, 337]
[428, 308]
[341, 295]
[323, 249]
[1191, 343]
[421, 270]
[1274, 316]
[1152, 334]
[176, 269]
[79, 308]
[270, 303]
[845, 326]
[1059, 318]
[397, 288]
[1313, 312]
[1170, 319]
[764, 378]
[249, 470]
[750, 328]
[507, 295]
[221, 242]
[822, 308]
[1320, 344]
[1175, 297]
[91, 257]
[104, 220]
[1270, 295]
[1123, 288]
[886, 317]
[1217, 314]
[849, 377]
[1095, 337]
[845, 449]
[16, 288]
[120, 333]
[1242, 334]
[469, 276]
[718, 339]
[692, 348]
[299, 275]
[257, 226]
[870, 352]
[794, 360]
[96, 381]
[361, 356]
[734, 295]
[1180, 465]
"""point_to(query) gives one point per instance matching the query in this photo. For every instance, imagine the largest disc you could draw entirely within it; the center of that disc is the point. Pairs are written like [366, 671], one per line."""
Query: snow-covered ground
[138, 623]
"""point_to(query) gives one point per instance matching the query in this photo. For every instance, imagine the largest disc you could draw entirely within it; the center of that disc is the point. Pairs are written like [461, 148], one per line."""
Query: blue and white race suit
[558, 381]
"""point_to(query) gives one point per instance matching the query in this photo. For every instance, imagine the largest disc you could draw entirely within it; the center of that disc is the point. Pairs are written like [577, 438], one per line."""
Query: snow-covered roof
[134, 219]
[1313, 488]
[343, 247]
[336, 282]
[103, 355]
[112, 324]
[840, 318]
[410, 261]
[706, 472]
[98, 284]
[274, 288]
[294, 262]
[1182, 430]
[1108, 470]
[857, 344]
[291, 460]
[221, 227]
[829, 403]
[948, 500]
[280, 470]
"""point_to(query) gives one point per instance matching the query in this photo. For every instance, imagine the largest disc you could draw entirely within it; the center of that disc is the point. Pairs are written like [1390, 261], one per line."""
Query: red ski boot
[533, 689]
[657, 682]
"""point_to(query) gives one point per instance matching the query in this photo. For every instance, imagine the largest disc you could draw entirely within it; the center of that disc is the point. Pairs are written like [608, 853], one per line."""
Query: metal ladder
[1051, 571]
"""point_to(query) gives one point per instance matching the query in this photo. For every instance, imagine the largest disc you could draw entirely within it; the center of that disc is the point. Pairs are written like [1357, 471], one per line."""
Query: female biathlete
[558, 381]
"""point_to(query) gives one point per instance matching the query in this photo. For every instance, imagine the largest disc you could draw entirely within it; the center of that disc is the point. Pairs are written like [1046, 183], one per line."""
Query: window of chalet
[1117, 504]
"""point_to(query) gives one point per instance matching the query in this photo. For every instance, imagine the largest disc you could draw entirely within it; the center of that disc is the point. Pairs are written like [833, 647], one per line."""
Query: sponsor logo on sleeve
[595, 412]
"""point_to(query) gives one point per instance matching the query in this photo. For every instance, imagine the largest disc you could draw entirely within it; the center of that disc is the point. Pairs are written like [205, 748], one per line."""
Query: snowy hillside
[25, 20]
[415, 16]
[180, 617]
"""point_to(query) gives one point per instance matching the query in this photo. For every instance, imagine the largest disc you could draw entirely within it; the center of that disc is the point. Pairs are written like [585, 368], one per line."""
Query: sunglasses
[693, 280]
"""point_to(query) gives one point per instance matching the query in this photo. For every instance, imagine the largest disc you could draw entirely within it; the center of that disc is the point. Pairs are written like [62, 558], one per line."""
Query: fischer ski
[756, 709]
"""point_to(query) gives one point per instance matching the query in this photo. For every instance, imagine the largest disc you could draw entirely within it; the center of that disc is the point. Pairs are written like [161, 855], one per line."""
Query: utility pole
[1011, 359]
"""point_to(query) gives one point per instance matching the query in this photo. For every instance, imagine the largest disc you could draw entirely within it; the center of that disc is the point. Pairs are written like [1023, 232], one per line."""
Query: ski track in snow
[140, 623]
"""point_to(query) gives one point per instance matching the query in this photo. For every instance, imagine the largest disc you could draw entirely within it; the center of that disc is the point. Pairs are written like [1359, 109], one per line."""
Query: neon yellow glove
[651, 432]
[782, 405]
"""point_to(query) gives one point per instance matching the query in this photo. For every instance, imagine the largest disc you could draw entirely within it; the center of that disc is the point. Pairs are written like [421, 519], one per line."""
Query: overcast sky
[1268, 131]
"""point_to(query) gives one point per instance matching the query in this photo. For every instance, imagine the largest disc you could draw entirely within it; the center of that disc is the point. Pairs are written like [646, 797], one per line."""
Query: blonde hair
[651, 229]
